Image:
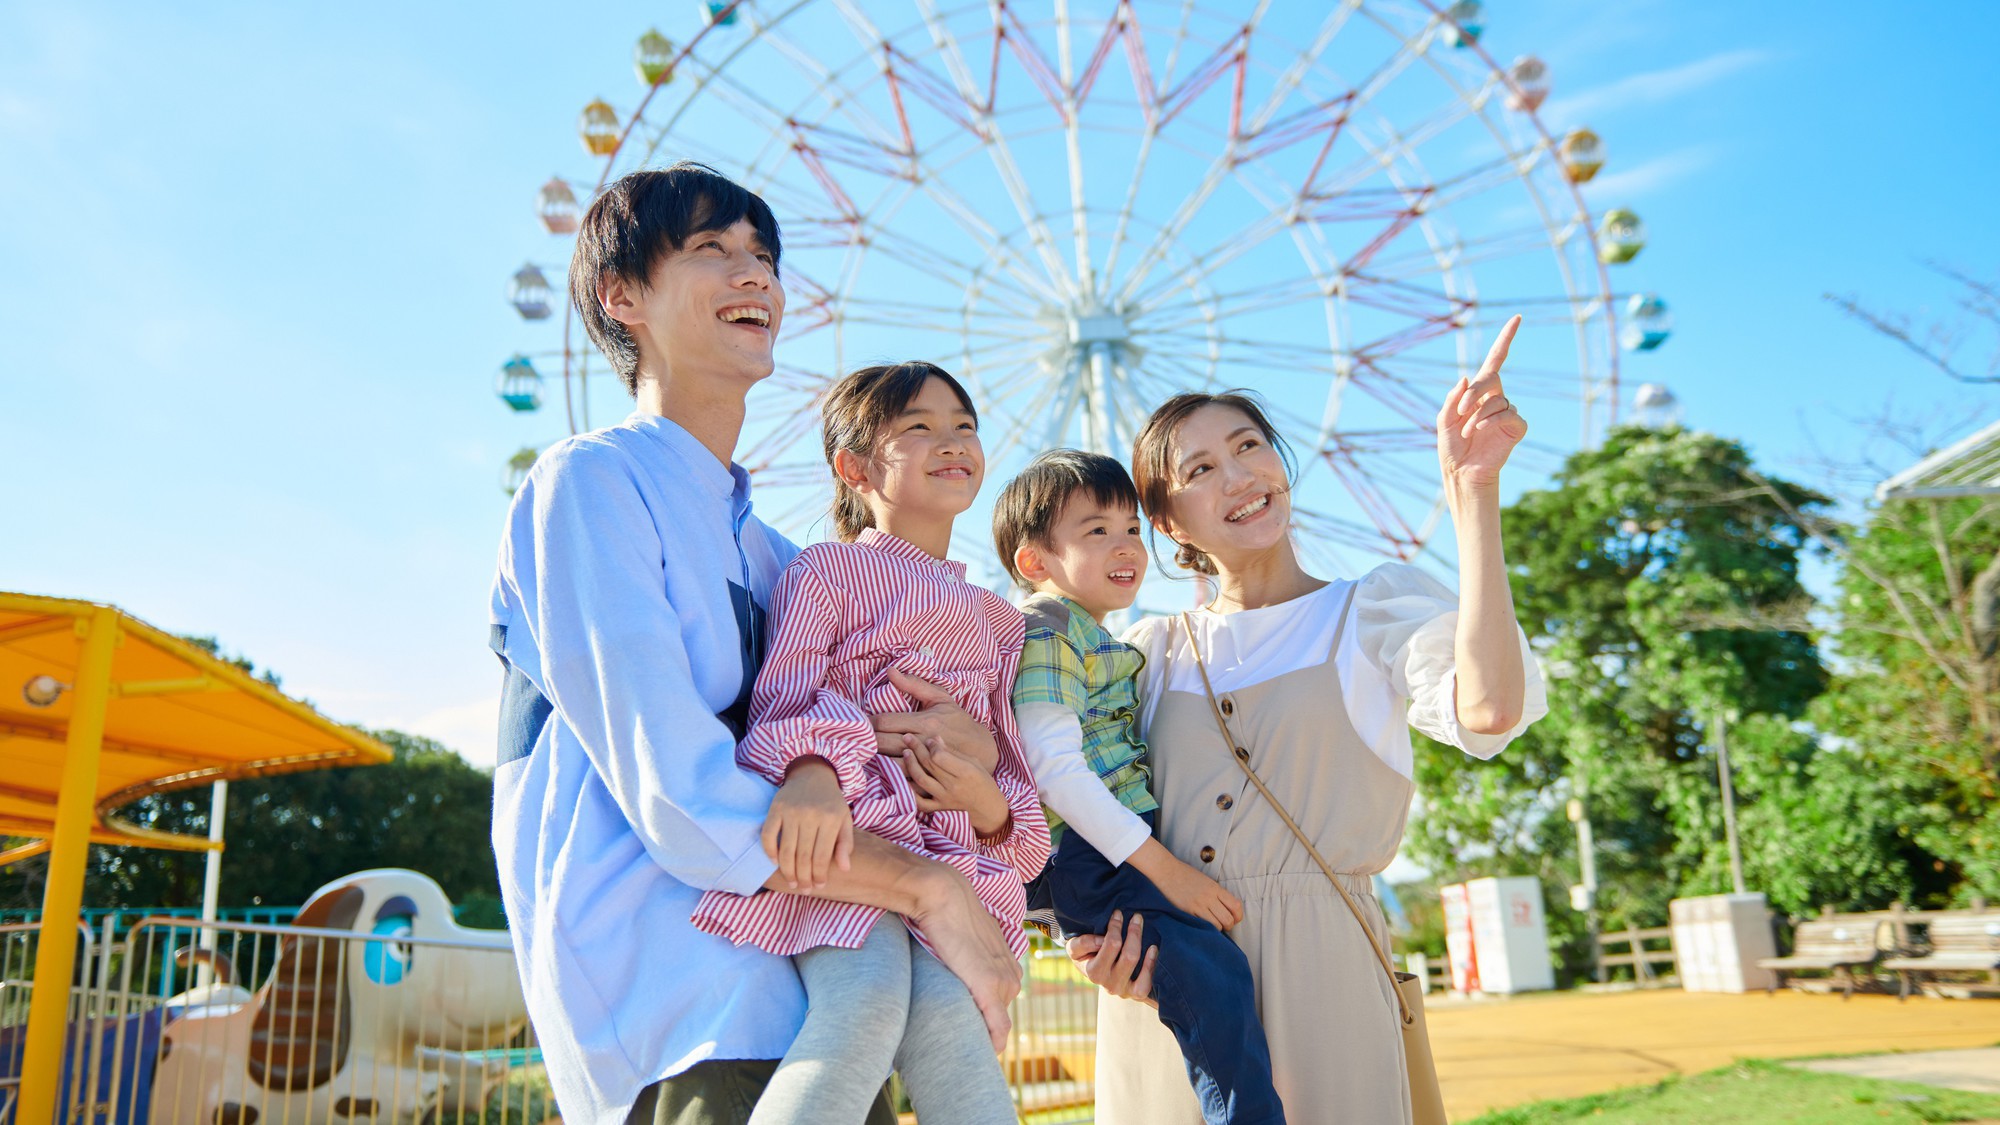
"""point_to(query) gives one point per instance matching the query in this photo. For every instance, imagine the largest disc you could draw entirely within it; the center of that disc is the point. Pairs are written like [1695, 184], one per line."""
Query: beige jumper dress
[1328, 1012]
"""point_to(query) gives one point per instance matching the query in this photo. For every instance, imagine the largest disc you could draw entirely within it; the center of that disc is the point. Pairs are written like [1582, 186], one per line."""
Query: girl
[903, 443]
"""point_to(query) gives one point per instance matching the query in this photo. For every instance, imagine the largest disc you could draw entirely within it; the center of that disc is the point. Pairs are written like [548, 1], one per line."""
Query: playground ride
[1082, 208]
[374, 1004]
[98, 709]
[379, 1006]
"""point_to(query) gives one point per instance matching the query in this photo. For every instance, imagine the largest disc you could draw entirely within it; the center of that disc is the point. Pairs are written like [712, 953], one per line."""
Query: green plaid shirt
[1070, 660]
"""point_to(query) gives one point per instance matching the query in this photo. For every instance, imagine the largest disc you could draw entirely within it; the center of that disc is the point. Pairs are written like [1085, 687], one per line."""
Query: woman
[1321, 681]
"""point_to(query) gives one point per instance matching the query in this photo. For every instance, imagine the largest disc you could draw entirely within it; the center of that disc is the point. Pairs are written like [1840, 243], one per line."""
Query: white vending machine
[1718, 939]
[1496, 936]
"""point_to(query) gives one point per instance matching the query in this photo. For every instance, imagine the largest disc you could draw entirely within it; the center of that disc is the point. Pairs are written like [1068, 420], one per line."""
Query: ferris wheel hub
[1097, 327]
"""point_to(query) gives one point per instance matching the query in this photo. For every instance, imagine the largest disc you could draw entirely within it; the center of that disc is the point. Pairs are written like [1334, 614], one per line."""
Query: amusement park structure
[1083, 206]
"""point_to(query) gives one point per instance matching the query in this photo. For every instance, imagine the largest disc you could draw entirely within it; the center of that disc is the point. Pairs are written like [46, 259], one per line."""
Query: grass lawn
[1757, 1091]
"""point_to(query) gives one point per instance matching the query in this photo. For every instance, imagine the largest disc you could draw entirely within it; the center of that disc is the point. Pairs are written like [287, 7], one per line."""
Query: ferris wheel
[1081, 207]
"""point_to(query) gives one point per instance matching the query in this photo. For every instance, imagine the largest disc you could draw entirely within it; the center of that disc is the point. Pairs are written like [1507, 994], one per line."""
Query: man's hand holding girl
[938, 717]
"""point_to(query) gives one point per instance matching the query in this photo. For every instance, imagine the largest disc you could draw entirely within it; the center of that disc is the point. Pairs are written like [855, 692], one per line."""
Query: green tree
[1659, 579]
[1919, 694]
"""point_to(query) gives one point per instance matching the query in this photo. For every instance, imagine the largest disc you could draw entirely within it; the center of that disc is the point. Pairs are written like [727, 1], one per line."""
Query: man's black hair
[1031, 503]
[637, 221]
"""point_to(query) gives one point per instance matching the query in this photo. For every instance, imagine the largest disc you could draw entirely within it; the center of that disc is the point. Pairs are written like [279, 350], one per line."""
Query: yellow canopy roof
[177, 717]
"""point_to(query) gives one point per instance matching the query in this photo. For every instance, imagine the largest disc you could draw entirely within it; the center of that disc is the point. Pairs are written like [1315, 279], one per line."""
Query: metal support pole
[211, 879]
[1586, 847]
[55, 960]
[1728, 802]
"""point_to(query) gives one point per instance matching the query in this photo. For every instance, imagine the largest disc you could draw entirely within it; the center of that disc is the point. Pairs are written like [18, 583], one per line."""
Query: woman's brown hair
[853, 415]
[1152, 464]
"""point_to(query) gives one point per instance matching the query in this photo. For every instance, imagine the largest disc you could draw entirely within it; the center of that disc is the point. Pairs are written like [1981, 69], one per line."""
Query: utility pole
[1583, 896]
[1728, 801]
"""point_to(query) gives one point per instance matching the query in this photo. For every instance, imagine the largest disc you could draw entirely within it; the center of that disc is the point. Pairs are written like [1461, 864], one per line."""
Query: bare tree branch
[1937, 343]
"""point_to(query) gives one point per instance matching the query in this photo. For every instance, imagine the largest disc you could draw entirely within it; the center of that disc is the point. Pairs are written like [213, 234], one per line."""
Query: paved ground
[1501, 1052]
[1977, 1070]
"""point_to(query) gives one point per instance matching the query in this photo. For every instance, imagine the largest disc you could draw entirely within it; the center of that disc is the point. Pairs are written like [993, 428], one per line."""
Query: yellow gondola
[598, 126]
[1582, 154]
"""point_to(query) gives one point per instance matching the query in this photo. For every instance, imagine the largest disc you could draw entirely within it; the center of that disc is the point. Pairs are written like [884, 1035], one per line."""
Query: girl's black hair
[853, 415]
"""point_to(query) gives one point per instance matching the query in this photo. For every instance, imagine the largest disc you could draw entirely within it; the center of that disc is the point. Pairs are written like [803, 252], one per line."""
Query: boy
[1068, 530]
[628, 615]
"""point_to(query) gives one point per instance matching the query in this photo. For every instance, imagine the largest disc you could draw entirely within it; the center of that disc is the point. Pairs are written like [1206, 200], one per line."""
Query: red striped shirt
[846, 613]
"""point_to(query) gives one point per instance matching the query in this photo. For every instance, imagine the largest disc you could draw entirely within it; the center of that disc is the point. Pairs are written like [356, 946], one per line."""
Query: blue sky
[255, 263]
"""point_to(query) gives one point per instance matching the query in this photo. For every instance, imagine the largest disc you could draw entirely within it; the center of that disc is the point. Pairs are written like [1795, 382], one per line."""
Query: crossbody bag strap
[1242, 756]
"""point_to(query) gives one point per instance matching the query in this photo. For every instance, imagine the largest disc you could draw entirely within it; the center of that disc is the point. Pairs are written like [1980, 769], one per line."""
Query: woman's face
[1228, 495]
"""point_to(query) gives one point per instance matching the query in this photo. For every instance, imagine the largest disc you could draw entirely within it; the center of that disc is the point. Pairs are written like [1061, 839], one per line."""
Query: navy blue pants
[1201, 980]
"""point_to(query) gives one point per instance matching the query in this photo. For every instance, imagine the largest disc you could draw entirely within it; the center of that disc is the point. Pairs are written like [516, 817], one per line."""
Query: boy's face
[712, 308]
[928, 463]
[1094, 556]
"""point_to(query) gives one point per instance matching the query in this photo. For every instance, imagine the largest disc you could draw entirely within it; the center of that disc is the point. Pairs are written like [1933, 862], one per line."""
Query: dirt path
[1502, 1052]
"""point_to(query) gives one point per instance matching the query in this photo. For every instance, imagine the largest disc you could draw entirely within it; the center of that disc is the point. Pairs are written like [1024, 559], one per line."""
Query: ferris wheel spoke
[1369, 497]
[1462, 253]
[877, 150]
[1394, 392]
[1230, 248]
[1219, 169]
[1336, 529]
[1071, 108]
[997, 147]
[1142, 83]
[1222, 306]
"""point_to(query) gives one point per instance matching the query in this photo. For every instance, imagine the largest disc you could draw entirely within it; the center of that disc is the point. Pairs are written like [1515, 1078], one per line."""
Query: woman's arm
[1477, 430]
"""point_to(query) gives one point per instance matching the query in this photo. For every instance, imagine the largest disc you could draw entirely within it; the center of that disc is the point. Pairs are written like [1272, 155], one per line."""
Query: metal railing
[122, 917]
[19, 944]
[235, 1023]
[1051, 1057]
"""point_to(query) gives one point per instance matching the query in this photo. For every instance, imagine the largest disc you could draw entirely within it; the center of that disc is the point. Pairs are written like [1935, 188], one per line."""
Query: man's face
[1094, 555]
[714, 306]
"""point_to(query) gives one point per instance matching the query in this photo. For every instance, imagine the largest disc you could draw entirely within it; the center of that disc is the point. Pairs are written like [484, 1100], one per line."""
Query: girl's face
[1228, 494]
[928, 462]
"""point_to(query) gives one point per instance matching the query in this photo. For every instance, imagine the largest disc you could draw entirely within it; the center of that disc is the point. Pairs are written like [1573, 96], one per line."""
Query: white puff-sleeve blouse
[1396, 661]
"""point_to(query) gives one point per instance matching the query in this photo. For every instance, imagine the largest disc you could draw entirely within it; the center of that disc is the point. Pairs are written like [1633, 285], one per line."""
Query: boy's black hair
[637, 221]
[1031, 503]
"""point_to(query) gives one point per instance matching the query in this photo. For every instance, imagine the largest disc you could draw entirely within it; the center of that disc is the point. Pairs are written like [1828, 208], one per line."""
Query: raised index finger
[1497, 354]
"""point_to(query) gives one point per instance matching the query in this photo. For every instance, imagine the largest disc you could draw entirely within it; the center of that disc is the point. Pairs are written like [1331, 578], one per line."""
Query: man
[628, 613]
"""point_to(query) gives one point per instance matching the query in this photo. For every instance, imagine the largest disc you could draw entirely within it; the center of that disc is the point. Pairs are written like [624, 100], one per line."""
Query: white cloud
[472, 729]
[1614, 189]
[1653, 86]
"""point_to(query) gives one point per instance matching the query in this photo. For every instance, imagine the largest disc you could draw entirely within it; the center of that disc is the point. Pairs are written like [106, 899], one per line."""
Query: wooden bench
[1958, 943]
[1831, 945]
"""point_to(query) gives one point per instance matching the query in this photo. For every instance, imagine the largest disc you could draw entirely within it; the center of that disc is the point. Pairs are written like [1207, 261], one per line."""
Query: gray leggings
[887, 1004]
